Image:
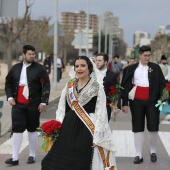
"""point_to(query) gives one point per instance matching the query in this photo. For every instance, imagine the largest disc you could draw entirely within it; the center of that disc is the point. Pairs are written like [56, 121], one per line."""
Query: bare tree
[9, 35]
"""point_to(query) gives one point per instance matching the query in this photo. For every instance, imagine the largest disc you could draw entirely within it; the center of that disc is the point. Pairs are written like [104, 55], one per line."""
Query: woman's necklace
[83, 86]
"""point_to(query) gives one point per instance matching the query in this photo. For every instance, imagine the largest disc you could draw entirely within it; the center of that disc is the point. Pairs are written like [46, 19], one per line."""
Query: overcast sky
[144, 15]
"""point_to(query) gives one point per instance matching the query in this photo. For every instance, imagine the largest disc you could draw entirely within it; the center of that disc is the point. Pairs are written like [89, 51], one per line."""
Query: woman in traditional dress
[85, 141]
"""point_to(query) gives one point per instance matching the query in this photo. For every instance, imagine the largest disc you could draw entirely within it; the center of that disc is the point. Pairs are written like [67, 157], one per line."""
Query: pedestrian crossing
[6, 147]
[166, 120]
[123, 139]
[165, 138]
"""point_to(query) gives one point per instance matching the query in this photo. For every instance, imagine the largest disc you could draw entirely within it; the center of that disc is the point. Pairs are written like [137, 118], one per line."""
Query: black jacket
[35, 74]
[109, 80]
[156, 82]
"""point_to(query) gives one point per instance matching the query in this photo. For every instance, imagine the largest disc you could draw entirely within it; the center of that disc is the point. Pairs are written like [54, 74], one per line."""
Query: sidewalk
[54, 95]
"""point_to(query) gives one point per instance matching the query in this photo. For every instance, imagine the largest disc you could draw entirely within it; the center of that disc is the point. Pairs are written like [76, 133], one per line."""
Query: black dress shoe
[30, 160]
[153, 157]
[138, 160]
[11, 162]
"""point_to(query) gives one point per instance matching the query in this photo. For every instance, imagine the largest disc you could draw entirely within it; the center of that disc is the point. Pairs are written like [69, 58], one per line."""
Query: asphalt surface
[124, 143]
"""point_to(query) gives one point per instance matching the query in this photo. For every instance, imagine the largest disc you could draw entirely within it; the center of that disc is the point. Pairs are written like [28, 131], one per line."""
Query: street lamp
[87, 46]
[55, 41]
[106, 30]
[99, 34]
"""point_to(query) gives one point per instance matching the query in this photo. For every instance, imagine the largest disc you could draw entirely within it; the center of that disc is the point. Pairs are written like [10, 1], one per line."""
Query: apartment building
[78, 20]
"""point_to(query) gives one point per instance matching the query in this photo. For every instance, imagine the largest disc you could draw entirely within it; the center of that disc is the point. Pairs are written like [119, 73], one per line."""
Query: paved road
[123, 141]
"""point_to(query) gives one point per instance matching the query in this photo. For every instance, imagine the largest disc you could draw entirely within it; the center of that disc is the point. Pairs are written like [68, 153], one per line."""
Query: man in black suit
[27, 89]
[108, 77]
[143, 83]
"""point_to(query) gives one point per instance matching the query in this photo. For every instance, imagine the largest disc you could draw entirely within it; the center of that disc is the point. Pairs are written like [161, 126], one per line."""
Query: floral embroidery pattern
[150, 70]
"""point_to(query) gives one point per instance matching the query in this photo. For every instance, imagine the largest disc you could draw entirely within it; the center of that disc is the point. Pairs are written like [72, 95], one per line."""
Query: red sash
[142, 93]
[20, 98]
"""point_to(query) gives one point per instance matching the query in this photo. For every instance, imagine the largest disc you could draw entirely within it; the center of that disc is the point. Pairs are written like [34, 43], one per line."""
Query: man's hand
[12, 102]
[116, 111]
[41, 108]
[125, 109]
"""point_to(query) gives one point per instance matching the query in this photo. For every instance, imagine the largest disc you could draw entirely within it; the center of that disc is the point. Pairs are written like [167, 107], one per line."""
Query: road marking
[166, 120]
[124, 143]
[165, 138]
[123, 140]
[6, 147]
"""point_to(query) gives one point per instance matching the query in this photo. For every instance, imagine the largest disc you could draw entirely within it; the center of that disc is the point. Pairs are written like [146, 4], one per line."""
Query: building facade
[138, 35]
[70, 21]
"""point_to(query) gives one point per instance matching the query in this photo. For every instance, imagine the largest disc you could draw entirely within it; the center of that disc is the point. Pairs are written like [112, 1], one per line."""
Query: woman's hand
[125, 109]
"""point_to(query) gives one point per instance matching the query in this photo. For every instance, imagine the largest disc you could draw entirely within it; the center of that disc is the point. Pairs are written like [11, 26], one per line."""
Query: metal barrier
[1, 105]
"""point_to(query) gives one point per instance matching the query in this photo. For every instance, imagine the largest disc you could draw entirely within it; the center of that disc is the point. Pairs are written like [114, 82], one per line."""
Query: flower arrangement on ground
[165, 95]
[50, 132]
[114, 96]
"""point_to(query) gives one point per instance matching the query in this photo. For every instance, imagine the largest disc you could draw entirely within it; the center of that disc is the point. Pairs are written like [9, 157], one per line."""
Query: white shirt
[103, 73]
[23, 76]
[59, 63]
[141, 76]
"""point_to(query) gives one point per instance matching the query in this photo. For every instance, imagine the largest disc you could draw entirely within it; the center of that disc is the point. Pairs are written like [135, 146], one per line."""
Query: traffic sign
[9, 8]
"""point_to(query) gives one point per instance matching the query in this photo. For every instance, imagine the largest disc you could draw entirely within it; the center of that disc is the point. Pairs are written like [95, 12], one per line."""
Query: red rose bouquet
[50, 132]
[114, 96]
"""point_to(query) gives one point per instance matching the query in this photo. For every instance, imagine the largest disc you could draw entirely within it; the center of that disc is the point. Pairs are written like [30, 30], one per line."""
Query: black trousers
[141, 109]
[25, 116]
[59, 72]
[108, 112]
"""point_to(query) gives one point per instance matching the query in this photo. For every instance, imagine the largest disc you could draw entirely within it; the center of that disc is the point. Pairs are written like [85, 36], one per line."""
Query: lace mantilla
[87, 93]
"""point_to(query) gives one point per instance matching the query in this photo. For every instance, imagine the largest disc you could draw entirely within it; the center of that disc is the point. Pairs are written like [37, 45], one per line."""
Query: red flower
[114, 94]
[42, 80]
[107, 104]
[168, 87]
[50, 128]
[50, 132]
[112, 87]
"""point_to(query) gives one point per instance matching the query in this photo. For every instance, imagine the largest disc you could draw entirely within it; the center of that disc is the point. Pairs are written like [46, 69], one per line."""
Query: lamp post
[99, 34]
[55, 41]
[105, 44]
[106, 30]
[87, 46]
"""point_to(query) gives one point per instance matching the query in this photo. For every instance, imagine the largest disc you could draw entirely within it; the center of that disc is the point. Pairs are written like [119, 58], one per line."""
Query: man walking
[116, 66]
[107, 76]
[144, 83]
[164, 66]
[27, 89]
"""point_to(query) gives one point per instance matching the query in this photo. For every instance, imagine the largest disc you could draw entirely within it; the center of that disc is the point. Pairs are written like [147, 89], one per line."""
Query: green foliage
[165, 95]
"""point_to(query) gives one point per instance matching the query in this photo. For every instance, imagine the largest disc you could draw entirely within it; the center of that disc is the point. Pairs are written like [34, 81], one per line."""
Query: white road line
[123, 140]
[165, 138]
[124, 143]
[6, 147]
[166, 120]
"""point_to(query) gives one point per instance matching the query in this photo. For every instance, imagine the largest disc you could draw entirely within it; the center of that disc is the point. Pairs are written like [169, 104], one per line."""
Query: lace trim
[87, 93]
